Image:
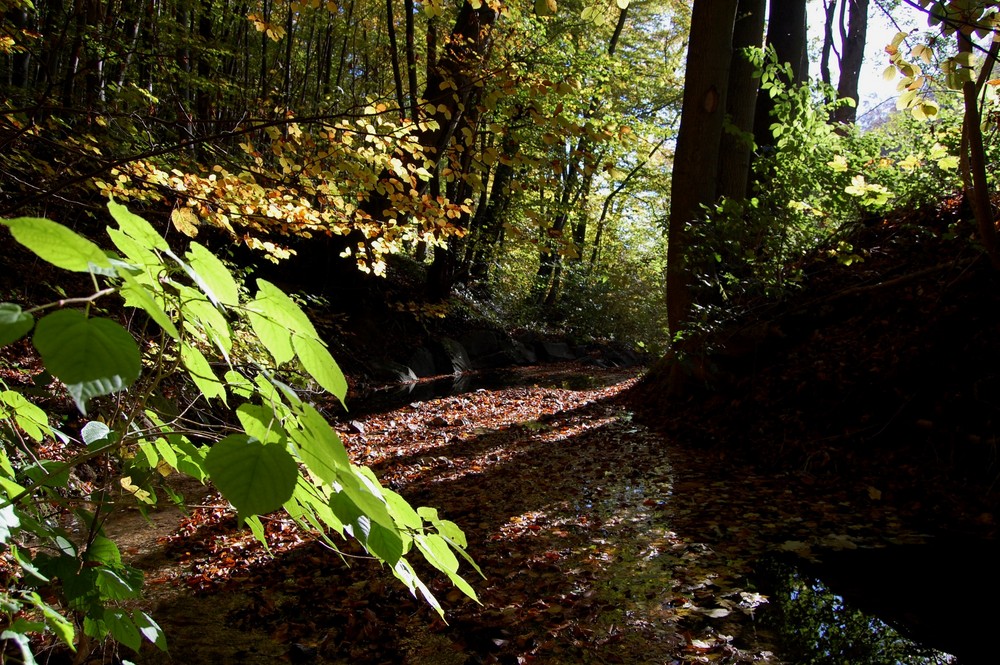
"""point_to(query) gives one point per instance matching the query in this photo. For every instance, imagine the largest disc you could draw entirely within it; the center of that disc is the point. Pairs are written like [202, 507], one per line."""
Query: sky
[873, 89]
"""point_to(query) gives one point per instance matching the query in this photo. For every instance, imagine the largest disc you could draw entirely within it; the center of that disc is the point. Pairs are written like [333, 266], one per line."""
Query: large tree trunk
[853, 53]
[786, 32]
[741, 100]
[697, 154]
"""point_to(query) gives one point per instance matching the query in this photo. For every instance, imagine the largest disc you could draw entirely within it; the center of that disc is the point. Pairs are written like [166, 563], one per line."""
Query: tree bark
[853, 53]
[741, 99]
[696, 158]
[786, 32]
[975, 184]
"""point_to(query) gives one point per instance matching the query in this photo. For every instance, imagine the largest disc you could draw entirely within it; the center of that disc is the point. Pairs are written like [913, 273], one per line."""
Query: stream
[864, 607]
[602, 543]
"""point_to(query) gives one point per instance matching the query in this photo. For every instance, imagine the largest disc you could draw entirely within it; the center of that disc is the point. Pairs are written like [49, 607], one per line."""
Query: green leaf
[57, 623]
[437, 552]
[48, 473]
[150, 629]
[254, 477]
[402, 512]
[114, 586]
[95, 432]
[316, 360]
[136, 227]
[385, 544]
[364, 496]
[93, 357]
[57, 244]
[29, 417]
[214, 278]
[203, 318]
[14, 324]
[21, 640]
[103, 550]
[260, 422]
[122, 628]
[321, 449]
[8, 522]
[201, 373]
[275, 317]
[138, 296]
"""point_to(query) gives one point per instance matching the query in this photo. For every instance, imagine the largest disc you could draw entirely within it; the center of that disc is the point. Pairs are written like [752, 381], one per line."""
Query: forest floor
[601, 542]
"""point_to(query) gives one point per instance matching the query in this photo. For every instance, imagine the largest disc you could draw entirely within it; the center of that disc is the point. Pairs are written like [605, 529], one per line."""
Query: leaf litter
[601, 541]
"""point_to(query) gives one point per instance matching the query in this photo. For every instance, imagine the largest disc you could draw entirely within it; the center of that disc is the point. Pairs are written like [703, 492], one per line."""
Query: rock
[422, 362]
[450, 357]
[523, 354]
[555, 351]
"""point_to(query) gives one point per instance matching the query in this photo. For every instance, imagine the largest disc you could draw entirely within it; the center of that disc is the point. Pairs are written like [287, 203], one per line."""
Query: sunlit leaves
[57, 244]
[257, 478]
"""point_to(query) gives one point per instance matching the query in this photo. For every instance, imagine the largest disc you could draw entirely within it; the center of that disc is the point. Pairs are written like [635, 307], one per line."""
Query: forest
[481, 331]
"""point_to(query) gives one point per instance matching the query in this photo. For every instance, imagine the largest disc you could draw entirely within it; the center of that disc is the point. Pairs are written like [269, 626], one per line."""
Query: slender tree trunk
[976, 187]
[696, 158]
[829, 16]
[411, 58]
[289, 40]
[851, 59]
[397, 75]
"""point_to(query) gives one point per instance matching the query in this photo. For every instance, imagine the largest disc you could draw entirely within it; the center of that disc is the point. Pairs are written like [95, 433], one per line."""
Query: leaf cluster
[279, 453]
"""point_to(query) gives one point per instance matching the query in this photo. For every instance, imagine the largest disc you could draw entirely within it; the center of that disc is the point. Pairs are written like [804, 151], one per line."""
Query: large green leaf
[201, 373]
[122, 628]
[276, 318]
[14, 324]
[150, 629]
[136, 227]
[93, 357]
[213, 276]
[320, 365]
[136, 295]
[256, 478]
[33, 420]
[57, 244]
[261, 423]
[319, 446]
[204, 318]
[364, 496]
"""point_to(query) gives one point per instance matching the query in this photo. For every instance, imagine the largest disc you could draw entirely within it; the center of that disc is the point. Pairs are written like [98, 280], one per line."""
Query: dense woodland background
[659, 175]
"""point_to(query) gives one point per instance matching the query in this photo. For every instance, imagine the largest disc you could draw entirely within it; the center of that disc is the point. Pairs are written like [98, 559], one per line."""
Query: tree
[741, 99]
[850, 17]
[696, 158]
[786, 34]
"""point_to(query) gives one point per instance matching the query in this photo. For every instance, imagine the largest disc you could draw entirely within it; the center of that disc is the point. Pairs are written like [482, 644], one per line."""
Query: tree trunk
[397, 75]
[741, 100]
[829, 16]
[974, 176]
[696, 157]
[786, 32]
[853, 53]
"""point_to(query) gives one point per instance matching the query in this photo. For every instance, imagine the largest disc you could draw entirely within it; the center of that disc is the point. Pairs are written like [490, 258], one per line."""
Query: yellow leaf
[546, 7]
[185, 221]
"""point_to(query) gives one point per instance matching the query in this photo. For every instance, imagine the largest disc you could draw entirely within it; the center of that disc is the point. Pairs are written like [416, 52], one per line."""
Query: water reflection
[819, 627]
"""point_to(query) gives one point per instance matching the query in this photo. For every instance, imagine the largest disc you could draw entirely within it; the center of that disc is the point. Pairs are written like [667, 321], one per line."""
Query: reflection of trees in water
[818, 627]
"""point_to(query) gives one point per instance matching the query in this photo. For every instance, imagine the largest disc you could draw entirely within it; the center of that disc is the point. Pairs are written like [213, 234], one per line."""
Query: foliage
[819, 176]
[244, 355]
